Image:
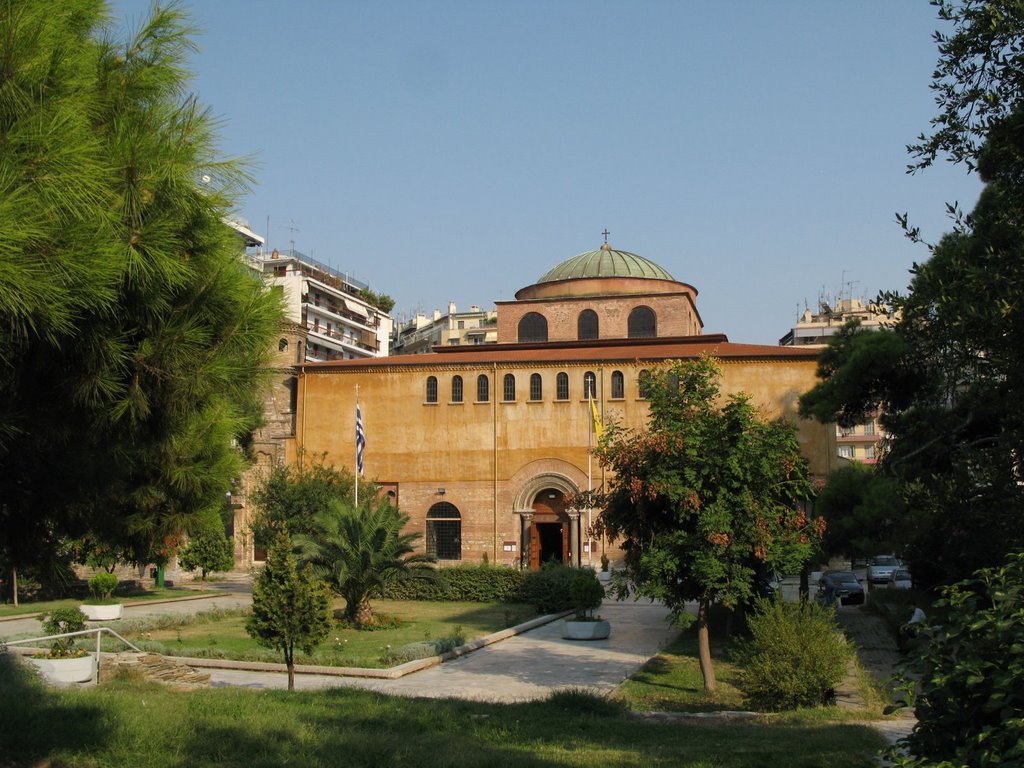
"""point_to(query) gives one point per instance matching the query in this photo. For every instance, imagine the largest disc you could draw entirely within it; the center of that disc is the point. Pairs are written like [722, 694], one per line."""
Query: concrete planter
[102, 612]
[586, 630]
[80, 670]
[604, 576]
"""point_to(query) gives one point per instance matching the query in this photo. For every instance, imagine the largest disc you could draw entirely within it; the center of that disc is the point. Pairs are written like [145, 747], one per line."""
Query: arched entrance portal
[550, 531]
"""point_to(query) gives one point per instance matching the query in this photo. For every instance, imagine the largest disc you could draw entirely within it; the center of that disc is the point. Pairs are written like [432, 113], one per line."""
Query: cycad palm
[358, 550]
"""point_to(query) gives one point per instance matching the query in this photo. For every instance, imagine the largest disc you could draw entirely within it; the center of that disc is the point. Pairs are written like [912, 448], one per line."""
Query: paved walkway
[528, 666]
[523, 668]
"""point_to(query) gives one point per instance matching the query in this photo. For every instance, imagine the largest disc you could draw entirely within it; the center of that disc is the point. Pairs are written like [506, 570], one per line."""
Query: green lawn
[222, 634]
[672, 682]
[126, 724]
[155, 593]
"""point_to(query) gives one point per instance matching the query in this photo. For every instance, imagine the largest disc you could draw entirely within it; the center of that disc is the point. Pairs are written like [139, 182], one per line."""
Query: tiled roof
[715, 345]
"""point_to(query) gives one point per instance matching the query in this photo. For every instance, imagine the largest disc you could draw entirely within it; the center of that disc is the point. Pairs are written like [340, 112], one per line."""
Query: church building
[484, 446]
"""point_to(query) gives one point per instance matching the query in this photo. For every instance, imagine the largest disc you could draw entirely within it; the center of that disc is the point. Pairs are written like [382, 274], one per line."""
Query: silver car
[900, 579]
[880, 568]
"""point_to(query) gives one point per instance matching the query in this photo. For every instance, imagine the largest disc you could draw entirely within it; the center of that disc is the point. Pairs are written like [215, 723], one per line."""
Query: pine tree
[290, 608]
[133, 342]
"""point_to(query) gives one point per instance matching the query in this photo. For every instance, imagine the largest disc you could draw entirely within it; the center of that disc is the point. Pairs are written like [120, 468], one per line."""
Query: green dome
[606, 262]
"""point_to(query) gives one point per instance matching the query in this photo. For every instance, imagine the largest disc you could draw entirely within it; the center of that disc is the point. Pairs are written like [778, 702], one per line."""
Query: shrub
[59, 622]
[794, 656]
[424, 649]
[102, 586]
[968, 677]
[549, 588]
[587, 594]
[464, 583]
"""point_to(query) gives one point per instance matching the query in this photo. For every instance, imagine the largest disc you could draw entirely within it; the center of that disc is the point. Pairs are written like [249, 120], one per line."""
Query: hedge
[463, 583]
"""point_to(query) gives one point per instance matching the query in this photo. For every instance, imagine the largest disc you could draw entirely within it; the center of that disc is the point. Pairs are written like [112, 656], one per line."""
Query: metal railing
[98, 631]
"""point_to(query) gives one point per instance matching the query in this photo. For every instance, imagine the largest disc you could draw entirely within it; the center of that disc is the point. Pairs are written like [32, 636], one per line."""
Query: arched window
[444, 531]
[536, 387]
[587, 325]
[618, 385]
[642, 323]
[282, 345]
[562, 386]
[431, 389]
[644, 388]
[509, 391]
[483, 389]
[533, 327]
[456, 389]
[589, 385]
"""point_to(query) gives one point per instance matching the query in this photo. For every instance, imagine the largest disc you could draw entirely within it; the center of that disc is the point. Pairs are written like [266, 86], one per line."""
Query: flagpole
[590, 476]
[358, 428]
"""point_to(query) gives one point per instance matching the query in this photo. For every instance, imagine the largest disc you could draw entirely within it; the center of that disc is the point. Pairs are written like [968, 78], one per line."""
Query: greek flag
[360, 440]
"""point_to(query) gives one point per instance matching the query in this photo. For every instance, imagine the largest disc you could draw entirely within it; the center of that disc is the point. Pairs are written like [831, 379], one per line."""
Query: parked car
[843, 586]
[900, 579]
[880, 568]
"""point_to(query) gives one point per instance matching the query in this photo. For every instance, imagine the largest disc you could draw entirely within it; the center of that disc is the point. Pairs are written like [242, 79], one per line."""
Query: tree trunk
[707, 669]
[14, 583]
[364, 614]
[289, 661]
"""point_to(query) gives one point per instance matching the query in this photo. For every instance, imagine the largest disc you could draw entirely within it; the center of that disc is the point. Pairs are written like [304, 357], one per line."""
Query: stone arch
[550, 528]
[528, 490]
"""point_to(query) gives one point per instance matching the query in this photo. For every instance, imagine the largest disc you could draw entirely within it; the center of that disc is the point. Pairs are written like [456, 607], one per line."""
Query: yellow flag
[598, 426]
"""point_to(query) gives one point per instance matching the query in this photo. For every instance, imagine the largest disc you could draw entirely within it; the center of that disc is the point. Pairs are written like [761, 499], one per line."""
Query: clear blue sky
[455, 151]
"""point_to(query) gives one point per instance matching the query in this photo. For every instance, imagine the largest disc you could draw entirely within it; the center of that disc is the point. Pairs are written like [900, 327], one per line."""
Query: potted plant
[605, 575]
[65, 663]
[102, 606]
[587, 594]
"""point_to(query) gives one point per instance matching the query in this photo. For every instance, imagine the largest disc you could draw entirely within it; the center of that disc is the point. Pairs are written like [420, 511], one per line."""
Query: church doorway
[549, 531]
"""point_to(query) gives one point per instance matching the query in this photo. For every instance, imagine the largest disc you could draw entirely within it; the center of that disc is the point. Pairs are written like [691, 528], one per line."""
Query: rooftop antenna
[292, 229]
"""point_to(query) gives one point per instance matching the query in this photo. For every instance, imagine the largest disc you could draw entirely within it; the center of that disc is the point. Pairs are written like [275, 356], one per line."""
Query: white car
[880, 568]
[900, 579]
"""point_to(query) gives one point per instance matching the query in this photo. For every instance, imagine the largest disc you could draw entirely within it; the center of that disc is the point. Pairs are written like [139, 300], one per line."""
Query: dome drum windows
[642, 323]
[533, 328]
[587, 325]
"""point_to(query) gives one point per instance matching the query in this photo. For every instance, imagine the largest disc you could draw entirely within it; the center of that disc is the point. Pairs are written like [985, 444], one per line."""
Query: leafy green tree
[208, 548]
[978, 81]
[359, 550]
[951, 387]
[290, 607]
[706, 499]
[966, 680]
[291, 495]
[863, 511]
[133, 342]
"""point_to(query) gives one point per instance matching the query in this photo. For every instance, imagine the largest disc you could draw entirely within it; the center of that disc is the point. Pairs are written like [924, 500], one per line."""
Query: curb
[134, 604]
[392, 673]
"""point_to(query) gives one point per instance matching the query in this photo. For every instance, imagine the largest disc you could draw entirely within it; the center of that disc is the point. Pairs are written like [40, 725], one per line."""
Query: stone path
[878, 656]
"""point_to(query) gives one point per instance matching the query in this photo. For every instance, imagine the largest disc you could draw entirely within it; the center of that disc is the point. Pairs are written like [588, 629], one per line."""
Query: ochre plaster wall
[484, 454]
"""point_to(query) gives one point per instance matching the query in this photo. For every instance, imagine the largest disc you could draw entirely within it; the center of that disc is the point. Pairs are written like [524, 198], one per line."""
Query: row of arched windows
[536, 390]
[641, 324]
